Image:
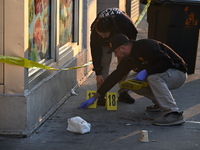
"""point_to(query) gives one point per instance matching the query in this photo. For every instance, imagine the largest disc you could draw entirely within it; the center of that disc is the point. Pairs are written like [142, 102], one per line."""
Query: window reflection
[66, 22]
[39, 30]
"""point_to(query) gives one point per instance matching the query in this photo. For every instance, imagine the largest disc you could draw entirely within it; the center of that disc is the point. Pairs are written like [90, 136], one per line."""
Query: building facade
[54, 33]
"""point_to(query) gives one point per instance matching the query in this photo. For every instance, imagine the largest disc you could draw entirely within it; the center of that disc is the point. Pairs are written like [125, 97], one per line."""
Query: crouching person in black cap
[155, 62]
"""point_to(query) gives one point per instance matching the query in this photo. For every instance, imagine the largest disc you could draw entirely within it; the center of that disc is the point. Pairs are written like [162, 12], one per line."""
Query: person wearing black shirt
[109, 22]
[154, 62]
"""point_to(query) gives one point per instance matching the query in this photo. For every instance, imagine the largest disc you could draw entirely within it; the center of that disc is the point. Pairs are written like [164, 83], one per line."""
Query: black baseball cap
[116, 41]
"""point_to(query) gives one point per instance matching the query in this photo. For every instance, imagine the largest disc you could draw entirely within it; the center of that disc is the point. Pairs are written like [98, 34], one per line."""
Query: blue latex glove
[88, 102]
[141, 75]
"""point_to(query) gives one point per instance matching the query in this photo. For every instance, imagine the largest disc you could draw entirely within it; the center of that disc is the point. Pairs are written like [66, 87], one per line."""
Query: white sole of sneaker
[170, 124]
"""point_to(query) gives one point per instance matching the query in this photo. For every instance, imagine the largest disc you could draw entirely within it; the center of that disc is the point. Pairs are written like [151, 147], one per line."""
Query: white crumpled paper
[78, 125]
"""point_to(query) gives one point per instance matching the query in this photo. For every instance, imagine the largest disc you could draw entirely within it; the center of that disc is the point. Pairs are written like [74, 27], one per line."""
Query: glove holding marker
[90, 101]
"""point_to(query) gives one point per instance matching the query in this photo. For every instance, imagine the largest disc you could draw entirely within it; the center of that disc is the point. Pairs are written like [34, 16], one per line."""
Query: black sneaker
[126, 98]
[174, 118]
[101, 101]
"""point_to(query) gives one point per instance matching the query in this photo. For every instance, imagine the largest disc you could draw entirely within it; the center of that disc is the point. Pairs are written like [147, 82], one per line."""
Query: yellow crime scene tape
[23, 62]
[143, 13]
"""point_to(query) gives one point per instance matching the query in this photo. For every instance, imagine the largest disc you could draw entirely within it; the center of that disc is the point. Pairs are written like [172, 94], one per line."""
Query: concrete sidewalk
[118, 130]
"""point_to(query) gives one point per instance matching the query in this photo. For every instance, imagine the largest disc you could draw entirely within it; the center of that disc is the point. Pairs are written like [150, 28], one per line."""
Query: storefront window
[39, 30]
[66, 22]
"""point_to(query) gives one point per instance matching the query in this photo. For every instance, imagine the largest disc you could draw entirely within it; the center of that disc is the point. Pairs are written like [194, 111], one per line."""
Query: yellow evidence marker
[133, 84]
[89, 95]
[111, 101]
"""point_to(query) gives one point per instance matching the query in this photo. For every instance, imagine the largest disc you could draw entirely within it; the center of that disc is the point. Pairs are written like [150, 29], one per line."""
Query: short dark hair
[105, 24]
